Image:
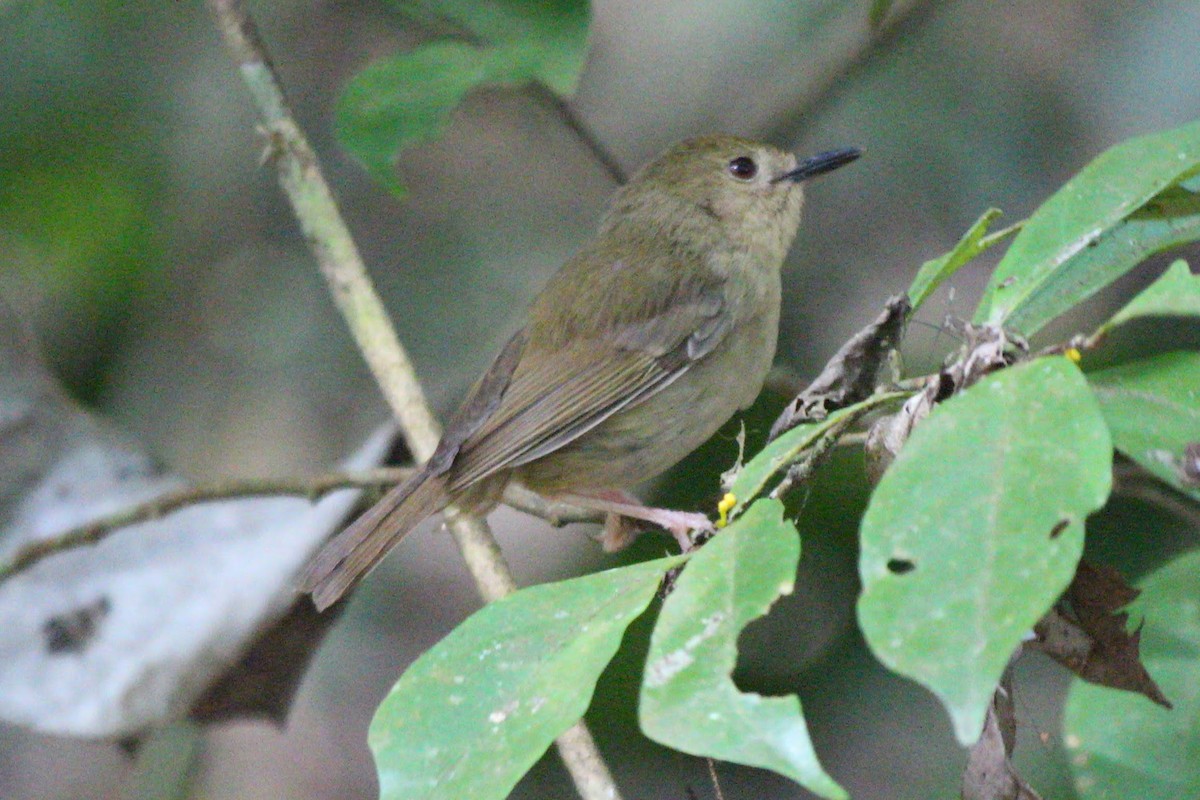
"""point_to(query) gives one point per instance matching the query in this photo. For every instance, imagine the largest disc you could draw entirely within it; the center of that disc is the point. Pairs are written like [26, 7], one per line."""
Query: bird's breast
[644, 440]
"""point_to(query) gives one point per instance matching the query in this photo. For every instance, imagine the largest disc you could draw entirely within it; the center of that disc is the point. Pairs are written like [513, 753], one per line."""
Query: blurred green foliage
[406, 99]
[80, 172]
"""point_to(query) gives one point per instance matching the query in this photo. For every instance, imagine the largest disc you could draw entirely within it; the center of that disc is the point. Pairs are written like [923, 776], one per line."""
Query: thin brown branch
[802, 470]
[712, 774]
[820, 92]
[603, 156]
[314, 488]
[554, 512]
[100, 529]
[320, 219]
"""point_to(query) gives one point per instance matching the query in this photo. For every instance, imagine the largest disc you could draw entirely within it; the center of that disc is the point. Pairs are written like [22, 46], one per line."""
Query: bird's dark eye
[743, 168]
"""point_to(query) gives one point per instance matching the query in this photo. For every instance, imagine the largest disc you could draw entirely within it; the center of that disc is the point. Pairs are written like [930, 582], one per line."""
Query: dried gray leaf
[112, 640]
[853, 372]
[888, 434]
[985, 350]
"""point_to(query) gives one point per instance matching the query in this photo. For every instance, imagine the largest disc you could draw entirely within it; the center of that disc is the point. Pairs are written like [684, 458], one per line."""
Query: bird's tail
[354, 552]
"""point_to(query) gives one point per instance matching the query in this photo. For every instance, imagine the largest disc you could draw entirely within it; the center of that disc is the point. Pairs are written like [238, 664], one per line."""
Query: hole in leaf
[1059, 527]
[900, 566]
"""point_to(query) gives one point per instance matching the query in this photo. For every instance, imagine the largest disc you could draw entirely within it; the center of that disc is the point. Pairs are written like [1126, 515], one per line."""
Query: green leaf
[879, 11]
[1125, 746]
[1175, 294]
[408, 98]
[1152, 407]
[976, 529]
[933, 273]
[473, 714]
[1175, 222]
[1105, 192]
[689, 700]
[752, 479]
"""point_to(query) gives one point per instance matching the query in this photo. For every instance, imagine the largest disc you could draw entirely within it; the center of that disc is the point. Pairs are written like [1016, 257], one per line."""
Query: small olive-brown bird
[634, 354]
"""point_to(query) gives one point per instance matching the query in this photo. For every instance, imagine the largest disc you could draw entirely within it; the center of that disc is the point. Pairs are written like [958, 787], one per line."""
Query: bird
[646, 341]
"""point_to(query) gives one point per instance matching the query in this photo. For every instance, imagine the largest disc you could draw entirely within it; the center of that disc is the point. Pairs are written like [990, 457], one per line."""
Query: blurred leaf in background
[79, 176]
[408, 98]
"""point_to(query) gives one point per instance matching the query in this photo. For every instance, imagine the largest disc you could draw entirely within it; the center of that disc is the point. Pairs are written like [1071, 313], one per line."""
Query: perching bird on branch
[634, 354]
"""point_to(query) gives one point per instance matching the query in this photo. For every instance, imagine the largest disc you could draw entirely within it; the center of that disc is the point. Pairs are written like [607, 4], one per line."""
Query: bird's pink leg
[622, 507]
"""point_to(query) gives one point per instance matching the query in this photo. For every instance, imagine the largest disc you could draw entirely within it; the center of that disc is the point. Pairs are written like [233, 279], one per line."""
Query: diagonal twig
[321, 221]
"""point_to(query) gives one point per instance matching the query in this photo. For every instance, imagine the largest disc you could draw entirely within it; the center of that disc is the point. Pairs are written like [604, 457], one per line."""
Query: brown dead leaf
[853, 372]
[1087, 633]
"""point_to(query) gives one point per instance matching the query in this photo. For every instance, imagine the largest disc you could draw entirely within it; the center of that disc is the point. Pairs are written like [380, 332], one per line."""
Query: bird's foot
[623, 509]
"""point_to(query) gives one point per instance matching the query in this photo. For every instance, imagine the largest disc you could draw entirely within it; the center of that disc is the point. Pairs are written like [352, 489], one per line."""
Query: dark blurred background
[167, 281]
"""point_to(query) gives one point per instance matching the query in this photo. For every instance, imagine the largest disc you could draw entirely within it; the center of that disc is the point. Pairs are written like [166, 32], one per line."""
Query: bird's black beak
[820, 164]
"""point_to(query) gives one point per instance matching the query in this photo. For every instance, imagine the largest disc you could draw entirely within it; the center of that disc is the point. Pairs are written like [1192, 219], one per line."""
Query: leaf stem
[1131, 480]
[987, 241]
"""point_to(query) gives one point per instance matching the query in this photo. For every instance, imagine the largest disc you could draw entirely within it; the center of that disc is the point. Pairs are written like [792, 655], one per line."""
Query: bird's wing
[481, 402]
[556, 394]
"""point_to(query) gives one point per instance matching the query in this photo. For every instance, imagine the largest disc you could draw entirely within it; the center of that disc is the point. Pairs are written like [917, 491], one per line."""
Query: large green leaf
[1153, 410]
[976, 529]
[1124, 745]
[408, 98]
[933, 273]
[1171, 220]
[689, 700]
[1048, 264]
[472, 714]
[1175, 294]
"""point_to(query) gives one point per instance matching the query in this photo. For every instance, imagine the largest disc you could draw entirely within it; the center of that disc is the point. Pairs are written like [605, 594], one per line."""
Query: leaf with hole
[474, 713]
[407, 98]
[1153, 409]
[1124, 746]
[976, 529]
[1052, 264]
[1115, 253]
[689, 700]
